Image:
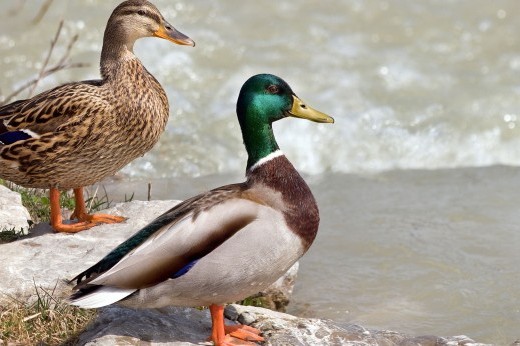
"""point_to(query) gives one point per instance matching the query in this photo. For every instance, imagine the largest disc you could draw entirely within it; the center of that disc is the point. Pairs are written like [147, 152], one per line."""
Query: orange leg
[80, 211]
[56, 219]
[222, 335]
[86, 221]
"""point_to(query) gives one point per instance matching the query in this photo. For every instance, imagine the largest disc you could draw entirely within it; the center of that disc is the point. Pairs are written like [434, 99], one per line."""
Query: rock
[13, 215]
[187, 326]
[169, 326]
[45, 258]
[283, 329]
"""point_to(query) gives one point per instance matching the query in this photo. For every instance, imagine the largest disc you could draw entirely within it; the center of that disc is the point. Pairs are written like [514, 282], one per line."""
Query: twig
[45, 71]
[68, 50]
[35, 80]
[47, 59]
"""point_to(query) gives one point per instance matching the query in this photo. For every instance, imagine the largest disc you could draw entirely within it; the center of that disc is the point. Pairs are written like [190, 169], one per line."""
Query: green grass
[9, 235]
[254, 300]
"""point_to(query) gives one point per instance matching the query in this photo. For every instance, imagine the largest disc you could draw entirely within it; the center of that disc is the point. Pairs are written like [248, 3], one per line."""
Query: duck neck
[259, 142]
[116, 49]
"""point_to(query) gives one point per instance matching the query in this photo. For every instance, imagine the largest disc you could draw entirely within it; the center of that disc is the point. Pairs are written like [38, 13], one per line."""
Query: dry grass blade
[28, 318]
[47, 321]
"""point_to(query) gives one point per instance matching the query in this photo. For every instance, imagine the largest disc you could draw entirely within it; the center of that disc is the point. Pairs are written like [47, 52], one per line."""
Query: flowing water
[410, 239]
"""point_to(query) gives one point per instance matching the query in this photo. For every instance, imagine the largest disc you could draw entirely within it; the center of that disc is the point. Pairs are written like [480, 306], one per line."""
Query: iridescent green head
[263, 99]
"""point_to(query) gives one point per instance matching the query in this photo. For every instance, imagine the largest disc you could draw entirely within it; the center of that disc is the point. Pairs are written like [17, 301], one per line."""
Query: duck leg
[57, 220]
[80, 212]
[223, 335]
[86, 220]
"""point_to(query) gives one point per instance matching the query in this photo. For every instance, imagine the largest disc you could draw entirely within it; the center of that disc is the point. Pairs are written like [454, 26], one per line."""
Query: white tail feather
[103, 296]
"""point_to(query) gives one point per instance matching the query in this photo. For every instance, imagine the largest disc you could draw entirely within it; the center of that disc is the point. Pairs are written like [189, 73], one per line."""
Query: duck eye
[273, 89]
[140, 12]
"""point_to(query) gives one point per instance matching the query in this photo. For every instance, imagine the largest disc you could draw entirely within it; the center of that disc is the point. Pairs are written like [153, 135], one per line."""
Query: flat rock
[13, 215]
[187, 326]
[45, 258]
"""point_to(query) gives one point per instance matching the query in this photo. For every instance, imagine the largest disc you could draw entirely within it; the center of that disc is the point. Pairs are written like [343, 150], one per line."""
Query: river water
[416, 180]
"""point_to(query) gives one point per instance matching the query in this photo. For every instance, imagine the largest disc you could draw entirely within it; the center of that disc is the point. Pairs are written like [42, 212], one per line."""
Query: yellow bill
[301, 110]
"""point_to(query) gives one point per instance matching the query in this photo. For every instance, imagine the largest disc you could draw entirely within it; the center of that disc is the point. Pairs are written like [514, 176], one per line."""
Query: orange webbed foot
[86, 220]
[223, 335]
[72, 227]
[98, 218]
[80, 212]
[232, 341]
[244, 332]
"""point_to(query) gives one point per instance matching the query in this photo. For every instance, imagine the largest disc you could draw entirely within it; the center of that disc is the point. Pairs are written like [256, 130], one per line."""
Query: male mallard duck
[79, 133]
[226, 244]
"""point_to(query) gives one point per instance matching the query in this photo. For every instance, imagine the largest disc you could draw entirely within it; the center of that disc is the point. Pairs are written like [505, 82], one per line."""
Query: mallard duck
[79, 133]
[228, 243]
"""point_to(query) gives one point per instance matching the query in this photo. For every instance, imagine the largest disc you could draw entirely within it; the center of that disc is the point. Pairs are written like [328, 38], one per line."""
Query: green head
[263, 99]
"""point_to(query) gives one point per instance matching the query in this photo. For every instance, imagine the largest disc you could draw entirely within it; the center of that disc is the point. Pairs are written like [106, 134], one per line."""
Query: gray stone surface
[187, 326]
[47, 258]
[13, 214]
[283, 329]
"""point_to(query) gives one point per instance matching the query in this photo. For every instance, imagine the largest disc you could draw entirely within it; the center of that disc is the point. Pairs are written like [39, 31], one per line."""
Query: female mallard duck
[226, 244]
[79, 133]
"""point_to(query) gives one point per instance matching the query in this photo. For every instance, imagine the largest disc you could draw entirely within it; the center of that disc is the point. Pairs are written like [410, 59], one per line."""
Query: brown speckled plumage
[88, 130]
[85, 131]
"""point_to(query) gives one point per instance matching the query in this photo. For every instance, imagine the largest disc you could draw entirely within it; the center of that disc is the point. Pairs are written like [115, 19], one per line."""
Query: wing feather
[47, 111]
[99, 297]
[177, 245]
[185, 233]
